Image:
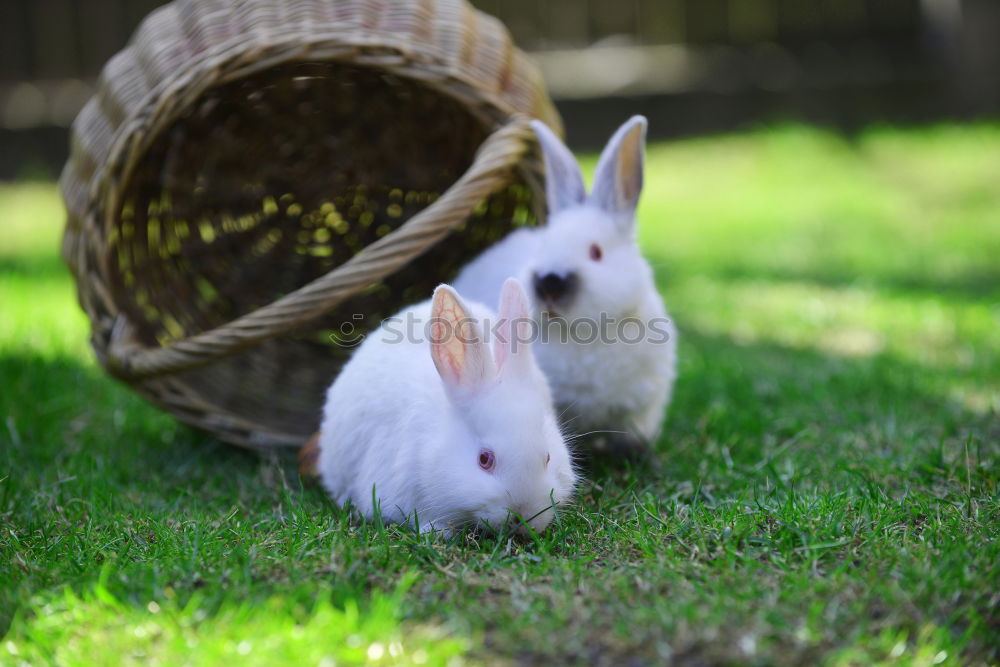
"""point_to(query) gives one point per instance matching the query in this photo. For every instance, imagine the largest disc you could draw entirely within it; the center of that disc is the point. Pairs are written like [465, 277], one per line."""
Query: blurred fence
[705, 64]
[52, 39]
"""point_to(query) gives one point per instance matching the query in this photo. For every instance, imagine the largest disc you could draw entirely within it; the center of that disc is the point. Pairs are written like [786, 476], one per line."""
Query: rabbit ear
[511, 346]
[457, 348]
[563, 180]
[618, 177]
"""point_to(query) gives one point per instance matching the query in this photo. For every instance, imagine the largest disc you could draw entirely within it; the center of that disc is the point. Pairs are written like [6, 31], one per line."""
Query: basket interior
[271, 181]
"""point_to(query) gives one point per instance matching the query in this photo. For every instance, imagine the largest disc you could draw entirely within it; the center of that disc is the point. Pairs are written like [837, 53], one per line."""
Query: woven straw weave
[255, 178]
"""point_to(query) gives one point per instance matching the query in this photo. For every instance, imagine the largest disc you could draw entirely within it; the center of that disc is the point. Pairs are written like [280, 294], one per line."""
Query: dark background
[696, 66]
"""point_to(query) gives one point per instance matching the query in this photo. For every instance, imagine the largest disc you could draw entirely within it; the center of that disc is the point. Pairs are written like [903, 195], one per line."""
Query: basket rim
[126, 151]
[235, 58]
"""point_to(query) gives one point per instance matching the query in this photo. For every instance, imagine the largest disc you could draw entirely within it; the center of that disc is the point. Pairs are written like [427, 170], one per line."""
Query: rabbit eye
[548, 457]
[595, 252]
[487, 460]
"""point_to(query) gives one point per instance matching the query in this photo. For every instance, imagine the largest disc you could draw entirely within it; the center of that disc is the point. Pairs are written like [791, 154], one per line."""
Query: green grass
[826, 489]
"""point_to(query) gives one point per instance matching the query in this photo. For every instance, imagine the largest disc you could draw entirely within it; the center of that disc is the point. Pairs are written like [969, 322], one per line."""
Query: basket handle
[130, 360]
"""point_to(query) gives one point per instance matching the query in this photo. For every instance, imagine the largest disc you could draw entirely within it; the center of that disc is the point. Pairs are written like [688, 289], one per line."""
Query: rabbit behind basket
[445, 432]
[590, 280]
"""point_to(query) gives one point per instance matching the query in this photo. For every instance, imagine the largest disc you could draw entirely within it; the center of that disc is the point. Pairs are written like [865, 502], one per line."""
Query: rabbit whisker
[583, 435]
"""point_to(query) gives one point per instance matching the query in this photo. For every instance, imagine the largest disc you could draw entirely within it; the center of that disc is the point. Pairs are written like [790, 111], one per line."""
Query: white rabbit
[440, 431]
[585, 266]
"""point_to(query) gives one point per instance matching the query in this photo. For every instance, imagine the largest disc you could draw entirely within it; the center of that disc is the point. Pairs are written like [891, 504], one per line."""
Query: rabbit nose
[555, 287]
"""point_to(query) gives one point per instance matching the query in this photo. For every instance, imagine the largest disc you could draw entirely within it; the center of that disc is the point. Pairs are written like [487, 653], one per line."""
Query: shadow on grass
[60, 410]
[868, 411]
[741, 410]
[33, 267]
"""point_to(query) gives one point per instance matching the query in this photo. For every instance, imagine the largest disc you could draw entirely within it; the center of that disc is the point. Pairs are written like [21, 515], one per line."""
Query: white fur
[615, 386]
[405, 421]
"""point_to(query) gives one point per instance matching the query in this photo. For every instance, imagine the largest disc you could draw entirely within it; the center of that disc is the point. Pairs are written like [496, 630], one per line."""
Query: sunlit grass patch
[44, 317]
[33, 216]
[915, 209]
[849, 320]
[97, 629]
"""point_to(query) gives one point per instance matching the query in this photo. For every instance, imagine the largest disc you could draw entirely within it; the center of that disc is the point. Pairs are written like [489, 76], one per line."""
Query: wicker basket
[255, 177]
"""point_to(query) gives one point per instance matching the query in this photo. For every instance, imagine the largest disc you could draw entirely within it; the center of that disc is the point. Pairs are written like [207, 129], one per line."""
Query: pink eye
[487, 460]
[595, 252]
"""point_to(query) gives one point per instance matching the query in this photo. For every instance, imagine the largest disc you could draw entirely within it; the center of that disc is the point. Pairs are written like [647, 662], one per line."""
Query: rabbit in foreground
[445, 432]
[585, 266]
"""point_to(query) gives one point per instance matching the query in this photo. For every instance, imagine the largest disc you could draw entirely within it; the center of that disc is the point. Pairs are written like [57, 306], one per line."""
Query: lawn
[825, 490]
